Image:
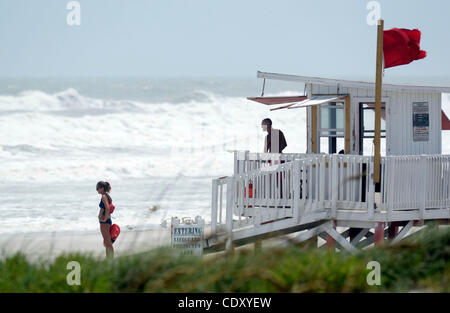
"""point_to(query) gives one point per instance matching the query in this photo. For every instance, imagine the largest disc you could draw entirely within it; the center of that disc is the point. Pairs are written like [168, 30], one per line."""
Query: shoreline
[148, 227]
[48, 246]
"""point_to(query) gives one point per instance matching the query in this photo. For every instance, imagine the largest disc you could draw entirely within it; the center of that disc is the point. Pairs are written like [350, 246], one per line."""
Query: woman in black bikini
[104, 216]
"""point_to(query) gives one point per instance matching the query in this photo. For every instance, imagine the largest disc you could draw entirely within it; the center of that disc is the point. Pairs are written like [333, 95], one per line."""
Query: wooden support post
[392, 230]
[379, 233]
[403, 232]
[378, 85]
[331, 242]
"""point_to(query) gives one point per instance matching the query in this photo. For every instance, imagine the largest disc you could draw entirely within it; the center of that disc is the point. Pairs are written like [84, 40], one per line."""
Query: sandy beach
[47, 246]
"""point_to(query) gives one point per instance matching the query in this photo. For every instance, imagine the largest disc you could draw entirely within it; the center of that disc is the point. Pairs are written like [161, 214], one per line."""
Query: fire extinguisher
[250, 189]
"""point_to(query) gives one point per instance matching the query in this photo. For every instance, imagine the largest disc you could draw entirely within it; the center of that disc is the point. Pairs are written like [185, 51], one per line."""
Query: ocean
[159, 142]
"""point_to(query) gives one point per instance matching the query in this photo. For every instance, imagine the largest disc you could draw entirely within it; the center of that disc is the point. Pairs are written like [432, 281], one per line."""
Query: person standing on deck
[274, 141]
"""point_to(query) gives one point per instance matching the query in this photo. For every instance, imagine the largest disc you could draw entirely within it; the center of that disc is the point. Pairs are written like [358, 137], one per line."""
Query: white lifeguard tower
[312, 193]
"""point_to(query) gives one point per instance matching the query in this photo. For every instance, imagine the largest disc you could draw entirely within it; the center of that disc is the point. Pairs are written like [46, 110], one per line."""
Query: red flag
[401, 46]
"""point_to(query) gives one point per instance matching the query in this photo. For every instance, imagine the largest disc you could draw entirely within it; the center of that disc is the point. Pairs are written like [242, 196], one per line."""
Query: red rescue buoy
[114, 231]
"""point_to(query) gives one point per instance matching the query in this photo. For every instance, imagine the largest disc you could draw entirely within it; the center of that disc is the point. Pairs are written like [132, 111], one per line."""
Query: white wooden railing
[221, 191]
[264, 194]
[337, 182]
[313, 184]
[246, 161]
[416, 183]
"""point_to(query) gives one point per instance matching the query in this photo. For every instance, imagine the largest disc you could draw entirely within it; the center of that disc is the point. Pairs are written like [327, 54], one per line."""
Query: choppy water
[158, 142]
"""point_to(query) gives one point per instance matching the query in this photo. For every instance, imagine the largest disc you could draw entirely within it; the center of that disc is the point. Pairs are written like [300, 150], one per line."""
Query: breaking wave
[66, 134]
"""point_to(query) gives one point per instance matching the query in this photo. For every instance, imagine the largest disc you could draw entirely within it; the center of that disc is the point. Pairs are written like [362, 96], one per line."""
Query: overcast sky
[233, 38]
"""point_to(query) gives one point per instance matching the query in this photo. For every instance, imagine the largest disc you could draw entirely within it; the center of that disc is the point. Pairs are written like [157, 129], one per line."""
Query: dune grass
[418, 264]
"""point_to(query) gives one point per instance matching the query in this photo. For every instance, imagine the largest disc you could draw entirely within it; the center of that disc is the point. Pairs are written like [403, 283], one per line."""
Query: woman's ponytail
[105, 185]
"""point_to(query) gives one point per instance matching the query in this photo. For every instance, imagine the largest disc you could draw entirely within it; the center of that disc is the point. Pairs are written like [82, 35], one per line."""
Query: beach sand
[47, 246]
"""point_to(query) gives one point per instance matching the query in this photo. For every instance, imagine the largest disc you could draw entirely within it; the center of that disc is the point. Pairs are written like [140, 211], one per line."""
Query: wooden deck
[278, 193]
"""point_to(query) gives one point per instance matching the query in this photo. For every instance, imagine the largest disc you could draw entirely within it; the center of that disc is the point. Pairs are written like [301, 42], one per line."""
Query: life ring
[114, 231]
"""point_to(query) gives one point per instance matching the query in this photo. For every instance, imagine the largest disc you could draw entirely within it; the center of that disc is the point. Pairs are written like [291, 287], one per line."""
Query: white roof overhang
[350, 83]
[316, 100]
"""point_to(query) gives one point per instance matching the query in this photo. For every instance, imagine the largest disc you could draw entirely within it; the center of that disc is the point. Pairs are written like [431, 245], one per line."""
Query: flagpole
[378, 84]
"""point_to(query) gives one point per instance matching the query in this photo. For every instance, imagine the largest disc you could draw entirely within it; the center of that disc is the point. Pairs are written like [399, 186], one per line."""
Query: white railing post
[423, 165]
[246, 165]
[214, 207]
[371, 189]
[255, 216]
[267, 195]
[389, 178]
[391, 169]
[239, 201]
[220, 202]
[236, 165]
[229, 212]
[321, 166]
[303, 188]
[334, 185]
[296, 192]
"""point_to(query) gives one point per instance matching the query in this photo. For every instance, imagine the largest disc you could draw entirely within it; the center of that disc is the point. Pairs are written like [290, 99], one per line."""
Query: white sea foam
[55, 136]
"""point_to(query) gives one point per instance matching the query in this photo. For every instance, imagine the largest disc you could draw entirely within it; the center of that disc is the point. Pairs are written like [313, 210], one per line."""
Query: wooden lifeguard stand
[315, 192]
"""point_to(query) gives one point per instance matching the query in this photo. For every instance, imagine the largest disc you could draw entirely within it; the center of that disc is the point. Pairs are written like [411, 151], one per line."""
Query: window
[331, 127]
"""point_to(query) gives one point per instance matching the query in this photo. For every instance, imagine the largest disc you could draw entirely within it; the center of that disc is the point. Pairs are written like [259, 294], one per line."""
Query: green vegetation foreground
[418, 263]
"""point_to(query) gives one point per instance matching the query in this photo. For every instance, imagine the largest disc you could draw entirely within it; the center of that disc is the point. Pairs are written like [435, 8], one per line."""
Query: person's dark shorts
[108, 221]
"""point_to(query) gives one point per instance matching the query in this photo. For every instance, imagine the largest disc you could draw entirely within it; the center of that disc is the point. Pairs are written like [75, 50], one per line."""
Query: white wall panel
[399, 122]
